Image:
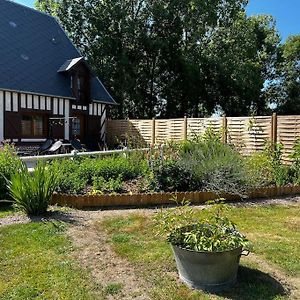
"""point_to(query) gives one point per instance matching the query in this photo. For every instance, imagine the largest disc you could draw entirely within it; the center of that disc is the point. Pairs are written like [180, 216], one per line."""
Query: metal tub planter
[210, 271]
[207, 249]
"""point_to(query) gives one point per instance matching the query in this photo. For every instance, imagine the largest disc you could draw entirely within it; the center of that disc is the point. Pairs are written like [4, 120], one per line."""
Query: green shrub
[74, 175]
[32, 193]
[69, 180]
[112, 185]
[111, 167]
[171, 176]
[295, 167]
[260, 169]
[9, 164]
[281, 173]
[215, 166]
[201, 164]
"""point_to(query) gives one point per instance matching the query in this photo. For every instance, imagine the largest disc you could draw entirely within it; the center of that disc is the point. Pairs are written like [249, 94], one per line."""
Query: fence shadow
[254, 284]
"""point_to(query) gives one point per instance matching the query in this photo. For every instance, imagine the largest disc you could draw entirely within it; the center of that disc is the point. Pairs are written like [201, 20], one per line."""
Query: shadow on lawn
[56, 216]
[254, 284]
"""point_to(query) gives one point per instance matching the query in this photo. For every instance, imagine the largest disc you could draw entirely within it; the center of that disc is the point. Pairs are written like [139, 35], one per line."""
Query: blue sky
[286, 13]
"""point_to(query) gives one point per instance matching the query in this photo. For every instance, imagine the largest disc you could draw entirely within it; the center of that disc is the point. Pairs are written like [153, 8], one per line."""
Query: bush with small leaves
[9, 164]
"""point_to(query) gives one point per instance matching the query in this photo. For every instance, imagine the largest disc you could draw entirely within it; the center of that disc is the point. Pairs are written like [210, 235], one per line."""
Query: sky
[286, 13]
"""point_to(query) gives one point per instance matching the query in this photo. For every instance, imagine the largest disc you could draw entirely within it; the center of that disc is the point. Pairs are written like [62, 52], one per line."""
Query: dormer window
[80, 79]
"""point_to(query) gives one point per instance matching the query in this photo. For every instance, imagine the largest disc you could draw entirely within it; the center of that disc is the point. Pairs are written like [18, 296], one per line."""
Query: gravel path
[69, 215]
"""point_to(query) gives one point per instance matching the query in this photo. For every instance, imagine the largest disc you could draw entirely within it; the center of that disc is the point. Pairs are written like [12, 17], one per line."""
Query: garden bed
[149, 199]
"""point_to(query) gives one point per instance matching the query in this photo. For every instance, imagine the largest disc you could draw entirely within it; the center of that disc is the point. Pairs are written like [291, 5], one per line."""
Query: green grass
[36, 263]
[272, 229]
[275, 233]
[113, 288]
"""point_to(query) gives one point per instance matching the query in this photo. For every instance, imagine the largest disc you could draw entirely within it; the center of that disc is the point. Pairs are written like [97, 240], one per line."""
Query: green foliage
[216, 233]
[204, 163]
[69, 180]
[112, 185]
[47, 6]
[32, 193]
[284, 91]
[260, 169]
[107, 173]
[281, 173]
[9, 164]
[112, 167]
[295, 167]
[169, 57]
[173, 177]
[113, 288]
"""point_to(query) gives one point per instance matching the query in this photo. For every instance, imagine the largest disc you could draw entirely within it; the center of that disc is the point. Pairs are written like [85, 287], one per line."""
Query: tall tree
[284, 91]
[168, 58]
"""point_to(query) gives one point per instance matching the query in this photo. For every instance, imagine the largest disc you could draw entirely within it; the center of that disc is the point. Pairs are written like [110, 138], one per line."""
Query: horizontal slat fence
[288, 130]
[248, 134]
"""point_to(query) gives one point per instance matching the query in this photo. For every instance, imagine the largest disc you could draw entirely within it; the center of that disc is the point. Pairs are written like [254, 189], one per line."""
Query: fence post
[153, 132]
[224, 129]
[185, 125]
[274, 129]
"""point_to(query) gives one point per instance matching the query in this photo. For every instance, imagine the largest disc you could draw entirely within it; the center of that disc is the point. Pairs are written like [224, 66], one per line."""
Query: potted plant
[207, 251]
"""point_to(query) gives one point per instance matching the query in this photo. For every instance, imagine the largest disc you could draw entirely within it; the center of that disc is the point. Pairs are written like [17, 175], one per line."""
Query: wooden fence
[249, 134]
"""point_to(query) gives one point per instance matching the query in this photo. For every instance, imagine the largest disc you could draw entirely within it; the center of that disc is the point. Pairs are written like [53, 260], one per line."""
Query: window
[80, 88]
[32, 126]
[76, 127]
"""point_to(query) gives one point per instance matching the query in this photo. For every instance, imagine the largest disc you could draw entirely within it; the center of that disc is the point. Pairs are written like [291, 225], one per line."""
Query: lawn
[36, 263]
[38, 260]
[274, 231]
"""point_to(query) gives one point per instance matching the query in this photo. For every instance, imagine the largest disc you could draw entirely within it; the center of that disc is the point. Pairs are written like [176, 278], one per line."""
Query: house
[46, 87]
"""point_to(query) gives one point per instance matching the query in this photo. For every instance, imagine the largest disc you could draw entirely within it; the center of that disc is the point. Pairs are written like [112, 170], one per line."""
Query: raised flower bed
[148, 199]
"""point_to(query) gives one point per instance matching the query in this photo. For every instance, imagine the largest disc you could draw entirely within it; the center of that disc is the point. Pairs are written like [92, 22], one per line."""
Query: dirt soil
[94, 253]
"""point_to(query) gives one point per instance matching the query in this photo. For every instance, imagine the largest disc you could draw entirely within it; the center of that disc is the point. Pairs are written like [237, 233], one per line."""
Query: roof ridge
[30, 8]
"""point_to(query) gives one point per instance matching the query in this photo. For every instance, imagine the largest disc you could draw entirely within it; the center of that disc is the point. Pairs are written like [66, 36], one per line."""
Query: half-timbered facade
[46, 87]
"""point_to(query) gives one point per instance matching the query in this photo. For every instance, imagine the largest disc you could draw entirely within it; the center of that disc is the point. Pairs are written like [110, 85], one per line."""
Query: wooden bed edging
[139, 200]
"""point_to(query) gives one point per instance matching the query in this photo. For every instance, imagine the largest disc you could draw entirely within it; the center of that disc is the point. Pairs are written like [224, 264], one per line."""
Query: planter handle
[247, 252]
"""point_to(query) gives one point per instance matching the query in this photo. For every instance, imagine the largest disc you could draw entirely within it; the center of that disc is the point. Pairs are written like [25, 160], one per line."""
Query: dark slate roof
[33, 47]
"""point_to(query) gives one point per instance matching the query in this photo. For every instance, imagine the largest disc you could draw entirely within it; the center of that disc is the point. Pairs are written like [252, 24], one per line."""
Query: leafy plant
[171, 176]
[215, 166]
[112, 167]
[108, 186]
[9, 164]
[32, 193]
[69, 180]
[295, 167]
[281, 173]
[213, 234]
[259, 169]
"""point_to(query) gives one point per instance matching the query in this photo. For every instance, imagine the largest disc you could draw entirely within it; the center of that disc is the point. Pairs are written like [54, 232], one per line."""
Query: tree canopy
[167, 58]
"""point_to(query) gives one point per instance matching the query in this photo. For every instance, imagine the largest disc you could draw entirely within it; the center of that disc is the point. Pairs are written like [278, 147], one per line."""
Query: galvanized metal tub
[210, 271]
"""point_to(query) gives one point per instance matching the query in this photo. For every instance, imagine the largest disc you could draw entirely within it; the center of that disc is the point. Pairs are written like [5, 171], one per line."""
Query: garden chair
[45, 146]
[77, 146]
[55, 147]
